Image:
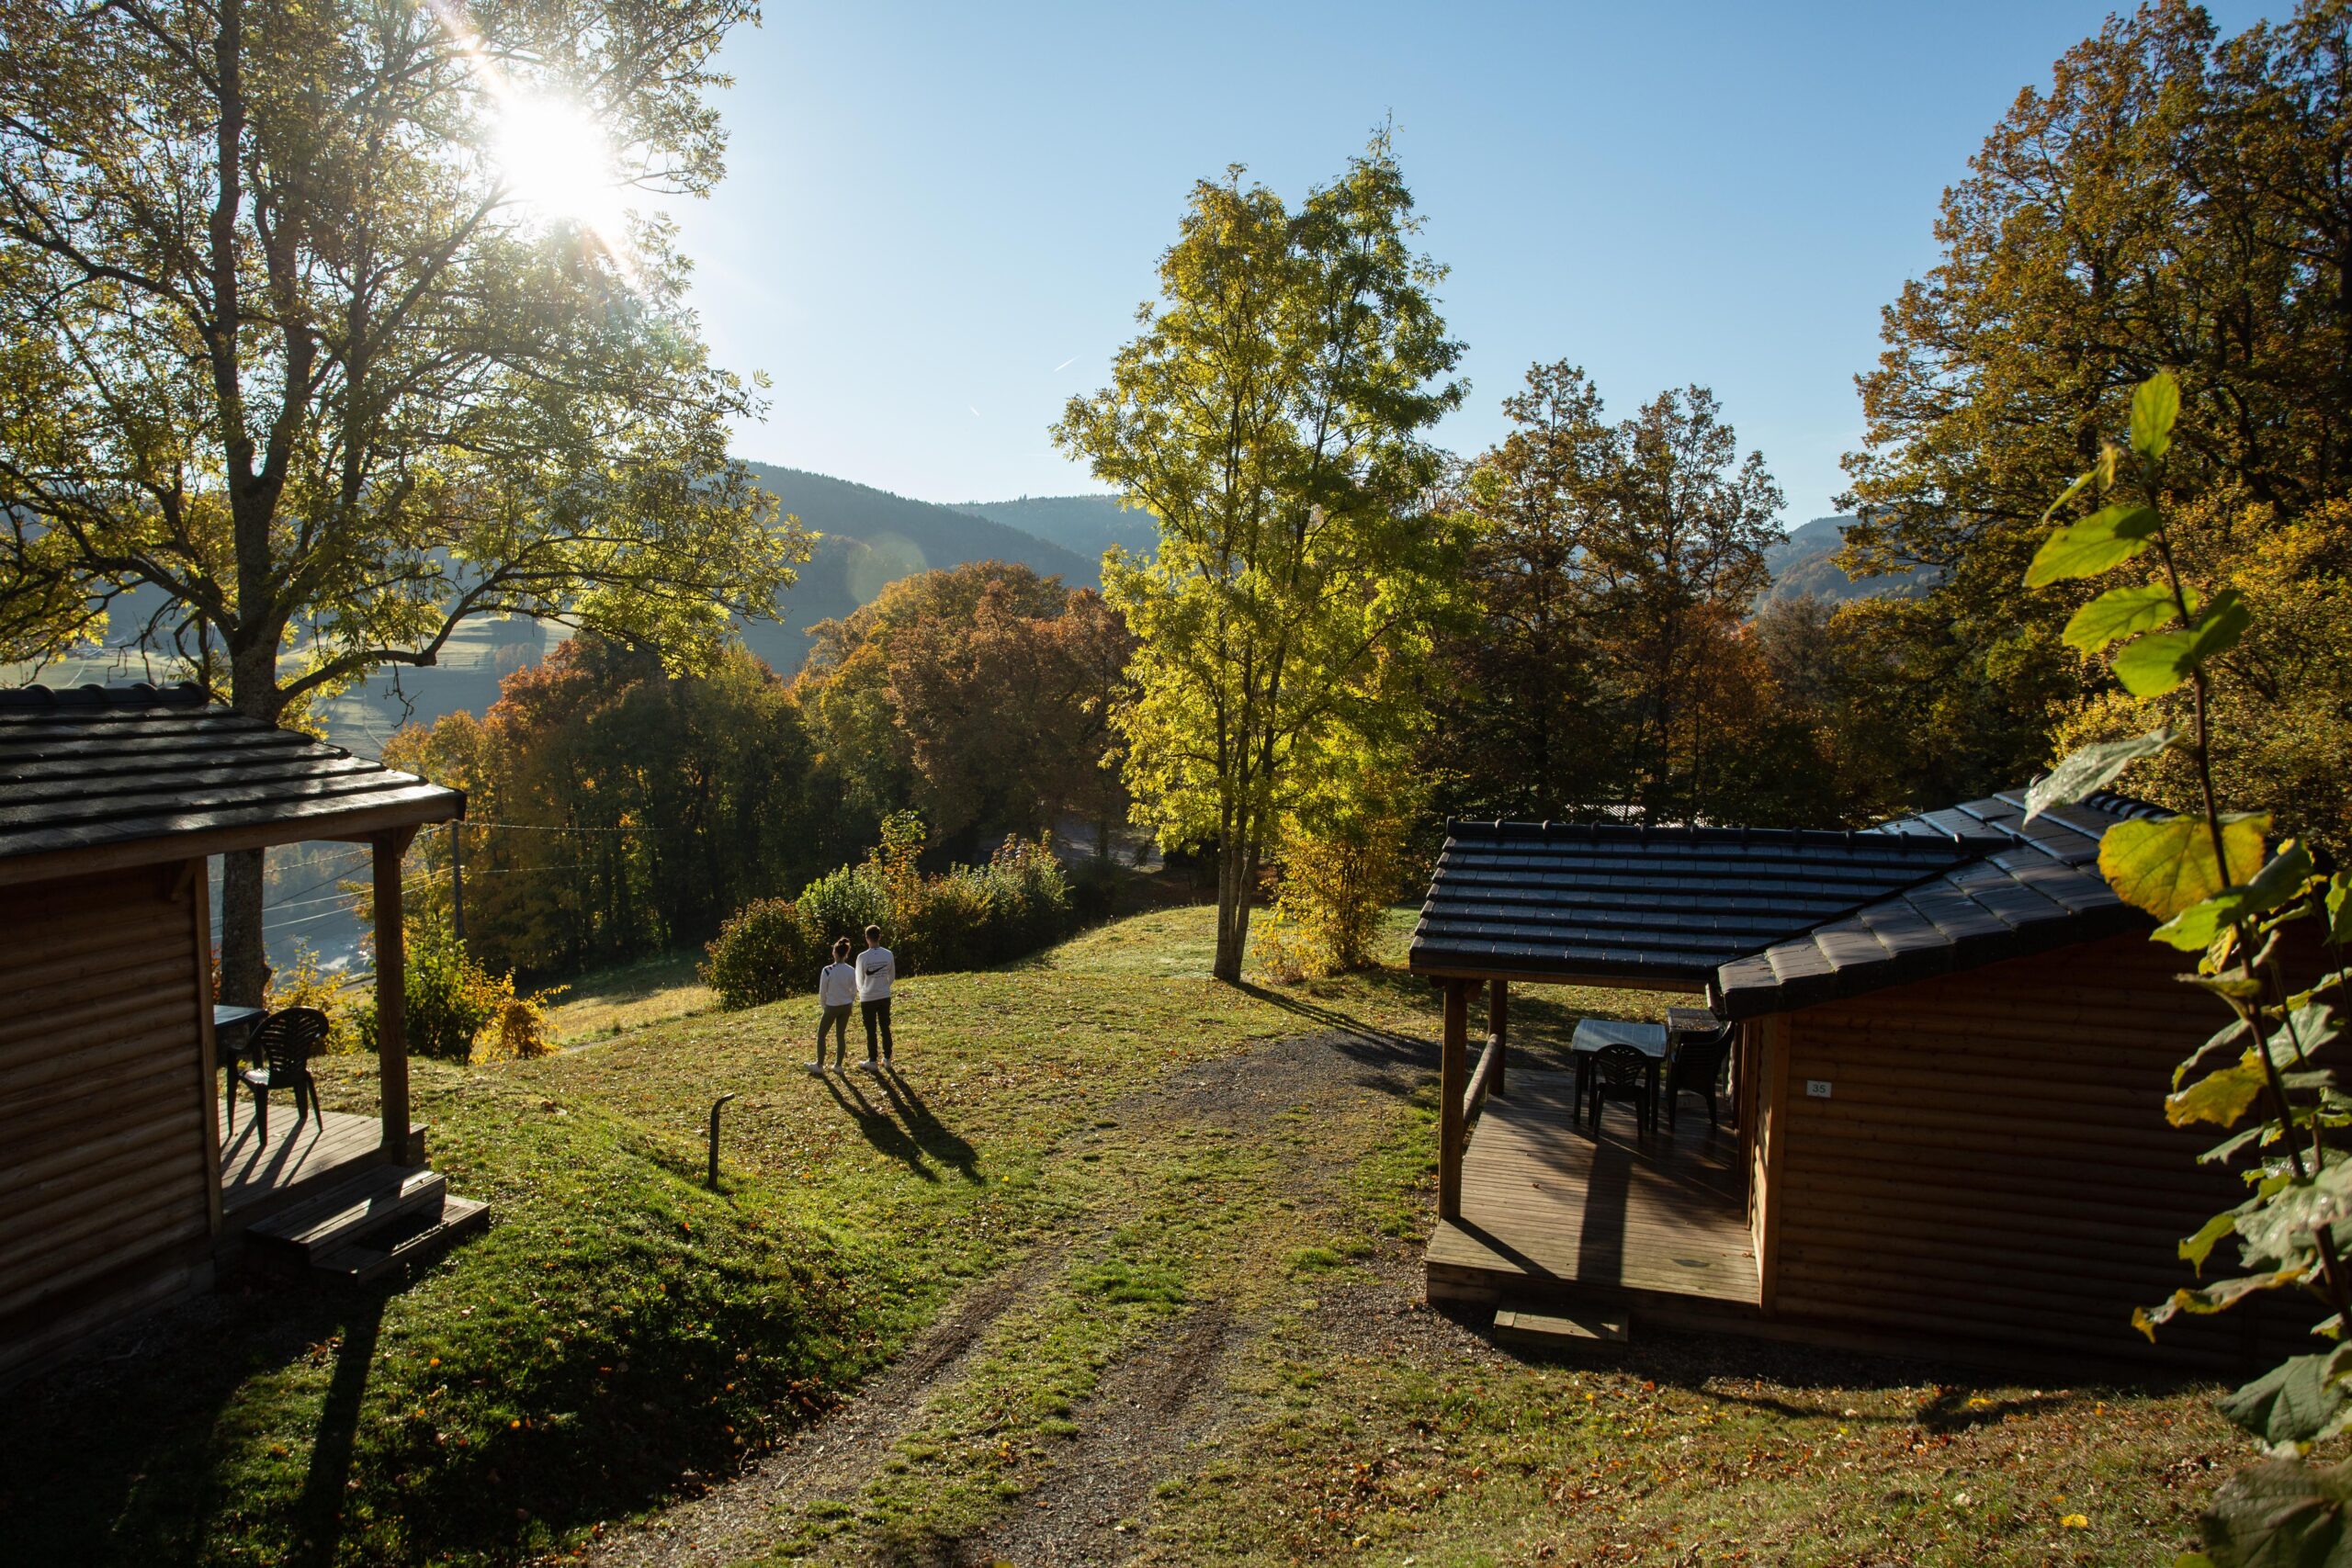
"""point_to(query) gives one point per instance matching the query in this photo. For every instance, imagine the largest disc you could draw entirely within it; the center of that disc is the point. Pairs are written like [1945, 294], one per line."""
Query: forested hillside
[1804, 563]
[1086, 525]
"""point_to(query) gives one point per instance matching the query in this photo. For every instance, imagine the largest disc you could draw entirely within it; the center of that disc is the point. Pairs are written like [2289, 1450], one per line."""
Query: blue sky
[938, 221]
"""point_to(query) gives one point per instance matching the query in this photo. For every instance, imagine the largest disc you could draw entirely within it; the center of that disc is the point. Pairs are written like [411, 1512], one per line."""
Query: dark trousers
[877, 1013]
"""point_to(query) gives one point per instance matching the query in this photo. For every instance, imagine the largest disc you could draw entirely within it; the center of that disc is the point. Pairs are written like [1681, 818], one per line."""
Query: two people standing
[866, 983]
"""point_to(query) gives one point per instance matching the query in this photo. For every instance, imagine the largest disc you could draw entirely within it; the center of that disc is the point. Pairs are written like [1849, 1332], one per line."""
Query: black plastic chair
[286, 1040]
[1697, 1063]
[1627, 1073]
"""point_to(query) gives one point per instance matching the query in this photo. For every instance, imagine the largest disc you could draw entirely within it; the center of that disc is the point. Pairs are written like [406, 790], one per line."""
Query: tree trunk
[244, 963]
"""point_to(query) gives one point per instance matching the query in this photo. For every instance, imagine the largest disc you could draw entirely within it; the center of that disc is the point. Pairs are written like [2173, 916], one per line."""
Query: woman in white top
[836, 994]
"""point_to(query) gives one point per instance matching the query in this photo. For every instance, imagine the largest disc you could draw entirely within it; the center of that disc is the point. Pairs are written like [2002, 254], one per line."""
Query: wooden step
[410, 1237]
[350, 1209]
[1555, 1330]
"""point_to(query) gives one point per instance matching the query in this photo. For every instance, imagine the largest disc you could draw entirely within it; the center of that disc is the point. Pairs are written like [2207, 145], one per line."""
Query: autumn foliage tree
[296, 375]
[2172, 199]
[1272, 415]
[625, 810]
[1613, 565]
[982, 694]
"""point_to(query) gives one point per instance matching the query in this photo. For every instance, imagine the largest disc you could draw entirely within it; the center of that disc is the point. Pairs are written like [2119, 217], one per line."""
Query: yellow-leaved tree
[1271, 417]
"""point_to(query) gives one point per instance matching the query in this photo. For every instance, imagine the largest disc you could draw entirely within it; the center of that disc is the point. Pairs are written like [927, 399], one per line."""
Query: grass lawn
[1126, 1262]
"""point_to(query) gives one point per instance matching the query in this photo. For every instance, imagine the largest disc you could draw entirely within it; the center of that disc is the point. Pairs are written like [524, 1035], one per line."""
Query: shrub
[842, 903]
[1334, 888]
[305, 985]
[450, 999]
[767, 952]
[962, 918]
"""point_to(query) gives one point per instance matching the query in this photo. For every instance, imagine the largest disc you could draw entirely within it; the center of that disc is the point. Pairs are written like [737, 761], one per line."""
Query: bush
[1334, 888]
[305, 985]
[767, 952]
[966, 917]
[450, 999]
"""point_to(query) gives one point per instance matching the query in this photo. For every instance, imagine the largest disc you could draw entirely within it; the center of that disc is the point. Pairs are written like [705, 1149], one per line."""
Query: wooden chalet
[119, 1190]
[1952, 1048]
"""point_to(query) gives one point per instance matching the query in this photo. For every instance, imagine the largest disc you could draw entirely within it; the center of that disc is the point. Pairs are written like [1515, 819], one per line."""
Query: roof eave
[434, 803]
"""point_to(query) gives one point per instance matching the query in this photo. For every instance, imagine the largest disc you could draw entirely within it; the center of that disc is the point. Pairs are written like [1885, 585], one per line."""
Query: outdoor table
[1592, 1034]
[232, 1030]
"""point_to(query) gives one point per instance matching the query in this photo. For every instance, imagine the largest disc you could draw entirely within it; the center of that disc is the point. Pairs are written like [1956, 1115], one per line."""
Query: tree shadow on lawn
[120, 1454]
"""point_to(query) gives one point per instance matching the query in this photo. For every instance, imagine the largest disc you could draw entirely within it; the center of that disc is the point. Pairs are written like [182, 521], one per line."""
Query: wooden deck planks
[254, 1175]
[1546, 1204]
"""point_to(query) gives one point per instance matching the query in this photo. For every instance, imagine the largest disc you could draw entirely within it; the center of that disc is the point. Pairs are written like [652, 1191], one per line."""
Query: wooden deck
[300, 1157]
[1547, 1210]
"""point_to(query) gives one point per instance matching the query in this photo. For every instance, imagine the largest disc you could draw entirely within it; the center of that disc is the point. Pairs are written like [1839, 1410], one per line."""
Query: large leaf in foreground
[2162, 661]
[2123, 611]
[2298, 1401]
[2164, 866]
[2195, 928]
[2092, 767]
[2107, 538]
[2278, 1514]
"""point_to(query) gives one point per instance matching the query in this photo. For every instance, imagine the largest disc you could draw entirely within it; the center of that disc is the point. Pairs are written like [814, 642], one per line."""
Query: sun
[555, 156]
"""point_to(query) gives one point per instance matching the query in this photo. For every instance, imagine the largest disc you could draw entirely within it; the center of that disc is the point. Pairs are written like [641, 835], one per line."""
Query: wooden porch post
[1452, 1076]
[1499, 1027]
[391, 994]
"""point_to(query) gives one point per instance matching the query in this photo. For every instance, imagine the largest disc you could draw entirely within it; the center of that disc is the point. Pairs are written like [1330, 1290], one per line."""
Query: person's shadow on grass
[881, 1130]
[932, 1135]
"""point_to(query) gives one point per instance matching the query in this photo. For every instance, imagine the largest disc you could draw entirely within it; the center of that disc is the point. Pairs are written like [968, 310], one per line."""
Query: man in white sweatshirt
[875, 968]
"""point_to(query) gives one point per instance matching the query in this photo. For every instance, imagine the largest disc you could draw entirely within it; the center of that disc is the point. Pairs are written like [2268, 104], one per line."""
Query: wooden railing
[1483, 1078]
[1461, 1089]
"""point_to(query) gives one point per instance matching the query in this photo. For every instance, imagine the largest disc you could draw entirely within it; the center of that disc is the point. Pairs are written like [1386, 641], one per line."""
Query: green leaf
[2164, 866]
[2219, 1097]
[2161, 661]
[2199, 1248]
[2339, 909]
[2153, 408]
[2105, 538]
[2066, 495]
[2122, 611]
[2092, 767]
[2298, 1401]
[2280, 1514]
[2195, 928]
[2229, 1034]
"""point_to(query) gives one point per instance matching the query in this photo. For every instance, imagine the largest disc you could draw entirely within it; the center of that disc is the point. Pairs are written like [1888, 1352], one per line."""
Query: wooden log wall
[1992, 1160]
[108, 1188]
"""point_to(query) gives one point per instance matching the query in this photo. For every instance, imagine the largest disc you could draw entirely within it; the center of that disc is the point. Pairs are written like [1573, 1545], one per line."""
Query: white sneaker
[874, 1067]
[815, 1070]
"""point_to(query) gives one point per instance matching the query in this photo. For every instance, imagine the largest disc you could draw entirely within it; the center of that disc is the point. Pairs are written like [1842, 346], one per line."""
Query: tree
[978, 692]
[630, 810]
[1533, 738]
[1271, 417]
[2169, 200]
[1676, 559]
[1612, 567]
[299, 368]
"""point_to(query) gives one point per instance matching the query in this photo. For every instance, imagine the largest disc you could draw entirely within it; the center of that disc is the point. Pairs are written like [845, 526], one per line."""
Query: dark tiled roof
[2039, 889]
[107, 768]
[1655, 904]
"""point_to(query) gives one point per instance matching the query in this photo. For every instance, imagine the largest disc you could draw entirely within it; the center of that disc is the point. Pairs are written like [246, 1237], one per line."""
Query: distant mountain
[1084, 525]
[1800, 564]
[871, 539]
